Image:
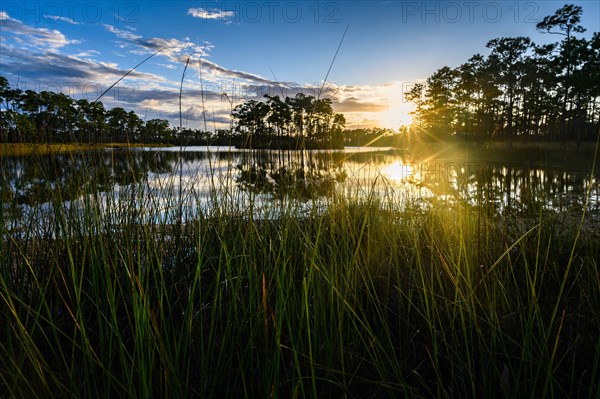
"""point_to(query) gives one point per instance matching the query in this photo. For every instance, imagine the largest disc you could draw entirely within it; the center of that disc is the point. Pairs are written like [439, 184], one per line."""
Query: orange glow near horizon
[394, 120]
[395, 117]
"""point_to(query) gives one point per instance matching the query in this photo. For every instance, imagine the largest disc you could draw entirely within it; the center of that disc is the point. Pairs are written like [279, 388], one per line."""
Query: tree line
[48, 117]
[295, 122]
[520, 89]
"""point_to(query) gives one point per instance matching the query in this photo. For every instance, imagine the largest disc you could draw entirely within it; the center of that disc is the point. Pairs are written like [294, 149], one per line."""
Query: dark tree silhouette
[509, 54]
[519, 89]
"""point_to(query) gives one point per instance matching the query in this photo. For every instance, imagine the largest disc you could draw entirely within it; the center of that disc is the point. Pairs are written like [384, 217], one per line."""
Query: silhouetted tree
[510, 54]
[416, 96]
[251, 120]
[157, 131]
[91, 121]
[519, 89]
[565, 21]
[280, 114]
[302, 107]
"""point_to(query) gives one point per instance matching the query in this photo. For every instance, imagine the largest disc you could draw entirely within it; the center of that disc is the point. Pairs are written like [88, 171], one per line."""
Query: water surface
[159, 182]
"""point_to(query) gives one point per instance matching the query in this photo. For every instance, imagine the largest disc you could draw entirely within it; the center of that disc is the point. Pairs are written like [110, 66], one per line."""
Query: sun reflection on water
[400, 172]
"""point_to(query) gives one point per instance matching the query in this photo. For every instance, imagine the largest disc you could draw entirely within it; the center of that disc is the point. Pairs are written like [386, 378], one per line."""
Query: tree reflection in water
[498, 188]
[289, 174]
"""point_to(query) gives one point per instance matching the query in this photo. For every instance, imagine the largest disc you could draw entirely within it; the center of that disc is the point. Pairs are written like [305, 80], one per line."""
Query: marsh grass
[26, 149]
[366, 297]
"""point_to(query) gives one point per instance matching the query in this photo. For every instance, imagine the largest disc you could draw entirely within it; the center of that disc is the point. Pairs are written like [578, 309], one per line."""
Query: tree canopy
[296, 122]
[520, 89]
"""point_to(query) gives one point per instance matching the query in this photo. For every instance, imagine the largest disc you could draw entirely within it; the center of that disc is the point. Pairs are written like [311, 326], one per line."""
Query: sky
[364, 55]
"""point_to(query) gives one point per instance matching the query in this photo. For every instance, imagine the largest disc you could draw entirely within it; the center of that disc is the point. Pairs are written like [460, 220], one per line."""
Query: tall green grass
[367, 297]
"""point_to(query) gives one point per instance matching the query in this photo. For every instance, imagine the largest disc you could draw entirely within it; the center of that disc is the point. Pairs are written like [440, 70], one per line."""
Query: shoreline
[502, 147]
[19, 149]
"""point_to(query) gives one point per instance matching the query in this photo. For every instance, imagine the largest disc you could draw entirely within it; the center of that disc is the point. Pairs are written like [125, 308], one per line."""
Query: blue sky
[248, 48]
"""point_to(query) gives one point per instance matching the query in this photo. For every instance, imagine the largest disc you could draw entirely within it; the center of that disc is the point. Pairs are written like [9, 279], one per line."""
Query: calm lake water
[213, 179]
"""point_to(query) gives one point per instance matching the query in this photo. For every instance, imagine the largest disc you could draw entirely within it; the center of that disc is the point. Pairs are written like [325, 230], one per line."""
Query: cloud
[210, 14]
[167, 66]
[194, 116]
[63, 19]
[122, 34]
[48, 39]
[87, 53]
[174, 49]
[67, 69]
[232, 73]
[151, 103]
[352, 105]
[178, 51]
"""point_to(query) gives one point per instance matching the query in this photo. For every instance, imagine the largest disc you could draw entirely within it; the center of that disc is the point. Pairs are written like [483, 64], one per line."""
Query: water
[212, 179]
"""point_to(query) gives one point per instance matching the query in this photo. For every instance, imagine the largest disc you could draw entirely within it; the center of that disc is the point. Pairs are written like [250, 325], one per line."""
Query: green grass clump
[22, 149]
[366, 298]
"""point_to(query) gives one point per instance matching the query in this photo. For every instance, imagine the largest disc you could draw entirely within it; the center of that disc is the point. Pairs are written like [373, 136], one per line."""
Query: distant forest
[520, 89]
[47, 117]
[524, 90]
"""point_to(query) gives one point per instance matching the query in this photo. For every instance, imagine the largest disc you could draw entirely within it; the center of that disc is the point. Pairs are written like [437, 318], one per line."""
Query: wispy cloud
[122, 34]
[203, 13]
[167, 66]
[174, 49]
[63, 19]
[87, 53]
[231, 73]
[28, 36]
[177, 51]
[60, 67]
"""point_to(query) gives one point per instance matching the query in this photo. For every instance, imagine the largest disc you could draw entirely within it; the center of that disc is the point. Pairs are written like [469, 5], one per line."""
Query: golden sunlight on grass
[20, 149]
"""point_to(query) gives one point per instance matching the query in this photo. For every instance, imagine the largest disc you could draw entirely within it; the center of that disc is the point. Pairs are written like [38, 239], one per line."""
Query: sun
[405, 119]
[394, 117]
